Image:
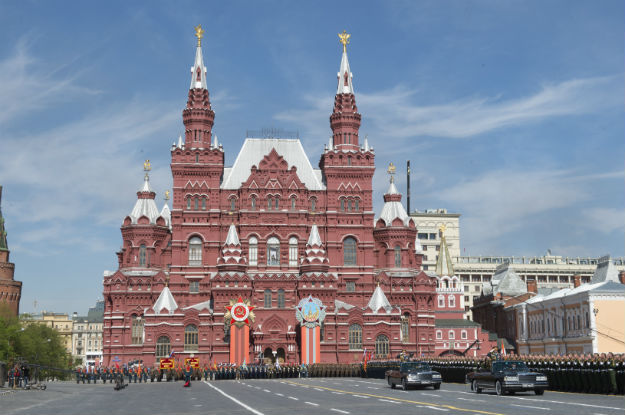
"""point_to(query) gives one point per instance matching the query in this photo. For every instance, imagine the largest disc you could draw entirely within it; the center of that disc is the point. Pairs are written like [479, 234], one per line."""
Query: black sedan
[507, 376]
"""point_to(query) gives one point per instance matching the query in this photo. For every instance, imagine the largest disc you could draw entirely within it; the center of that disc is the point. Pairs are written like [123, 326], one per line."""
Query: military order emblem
[310, 312]
[239, 312]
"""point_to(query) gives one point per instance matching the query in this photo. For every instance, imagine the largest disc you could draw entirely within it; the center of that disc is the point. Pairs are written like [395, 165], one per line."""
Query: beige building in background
[549, 271]
[60, 322]
[588, 318]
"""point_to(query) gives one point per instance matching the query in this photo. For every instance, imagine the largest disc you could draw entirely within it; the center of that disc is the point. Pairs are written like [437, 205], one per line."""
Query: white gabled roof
[605, 271]
[165, 301]
[145, 206]
[394, 209]
[378, 300]
[233, 236]
[255, 149]
[204, 305]
[314, 239]
[166, 214]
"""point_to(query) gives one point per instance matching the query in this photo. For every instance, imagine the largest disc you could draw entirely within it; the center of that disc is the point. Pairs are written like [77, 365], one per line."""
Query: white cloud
[605, 220]
[394, 114]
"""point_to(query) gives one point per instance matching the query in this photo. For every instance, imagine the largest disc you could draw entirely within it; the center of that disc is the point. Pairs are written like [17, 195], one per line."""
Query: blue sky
[512, 114]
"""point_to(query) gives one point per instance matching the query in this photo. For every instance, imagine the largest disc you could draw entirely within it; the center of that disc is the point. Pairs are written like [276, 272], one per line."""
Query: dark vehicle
[507, 376]
[413, 374]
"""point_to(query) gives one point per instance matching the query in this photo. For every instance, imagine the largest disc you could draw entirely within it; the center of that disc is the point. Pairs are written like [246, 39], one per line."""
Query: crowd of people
[19, 376]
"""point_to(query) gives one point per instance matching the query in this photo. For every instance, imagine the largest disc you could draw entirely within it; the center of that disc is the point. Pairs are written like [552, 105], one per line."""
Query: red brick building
[10, 290]
[270, 230]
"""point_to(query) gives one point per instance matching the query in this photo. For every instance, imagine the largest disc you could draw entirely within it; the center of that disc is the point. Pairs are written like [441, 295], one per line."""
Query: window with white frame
[441, 301]
[439, 335]
[273, 251]
[451, 334]
[293, 252]
[253, 251]
[195, 251]
[452, 301]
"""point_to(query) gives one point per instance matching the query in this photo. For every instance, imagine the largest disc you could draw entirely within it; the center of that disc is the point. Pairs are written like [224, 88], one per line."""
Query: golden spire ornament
[199, 32]
[442, 229]
[344, 39]
[166, 194]
[147, 166]
[391, 170]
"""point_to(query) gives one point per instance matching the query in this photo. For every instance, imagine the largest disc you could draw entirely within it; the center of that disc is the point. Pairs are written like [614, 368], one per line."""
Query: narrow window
[204, 203]
[163, 346]
[267, 298]
[195, 203]
[355, 337]
[269, 203]
[350, 286]
[195, 251]
[292, 202]
[232, 201]
[190, 337]
[188, 203]
[357, 207]
[280, 298]
[293, 252]
[349, 205]
[194, 287]
[137, 330]
[142, 255]
[313, 204]
[253, 251]
[342, 205]
[277, 203]
[397, 256]
[197, 158]
[405, 328]
[381, 346]
[253, 202]
[273, 252]
[349, 251]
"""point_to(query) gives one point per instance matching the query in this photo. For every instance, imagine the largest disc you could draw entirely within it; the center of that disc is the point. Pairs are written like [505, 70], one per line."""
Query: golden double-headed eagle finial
[442, 229]
[344, 39]
[391, 170]
[147, 166]
[199, 32]
[166, 194]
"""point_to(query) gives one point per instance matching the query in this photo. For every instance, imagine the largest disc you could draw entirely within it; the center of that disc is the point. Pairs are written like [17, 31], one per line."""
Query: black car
[413, 374]
[507, 376]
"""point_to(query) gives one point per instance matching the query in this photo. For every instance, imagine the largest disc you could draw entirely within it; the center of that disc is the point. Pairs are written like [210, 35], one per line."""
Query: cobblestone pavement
[300, 396]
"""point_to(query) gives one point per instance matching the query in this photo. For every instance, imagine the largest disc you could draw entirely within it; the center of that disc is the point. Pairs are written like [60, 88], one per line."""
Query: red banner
[167, 363]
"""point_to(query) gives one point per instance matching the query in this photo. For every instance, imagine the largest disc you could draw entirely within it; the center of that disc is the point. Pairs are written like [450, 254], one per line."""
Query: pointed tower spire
[4, 246]
[180, 143]
[444, 266]
[316, 258]
[145, 205]
[231, 258]
[345, 119]
[198, 117]
[366, 144]
[378, 300]
[165, 212]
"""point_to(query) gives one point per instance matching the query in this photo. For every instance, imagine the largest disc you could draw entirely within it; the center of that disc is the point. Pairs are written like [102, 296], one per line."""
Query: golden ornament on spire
[199, 32]
[166, 194]
[344, 39]
[391, 170]
[147, 166]
[442, 229]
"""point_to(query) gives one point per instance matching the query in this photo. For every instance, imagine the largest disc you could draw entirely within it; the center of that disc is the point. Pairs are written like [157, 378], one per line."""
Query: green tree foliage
[23, 340]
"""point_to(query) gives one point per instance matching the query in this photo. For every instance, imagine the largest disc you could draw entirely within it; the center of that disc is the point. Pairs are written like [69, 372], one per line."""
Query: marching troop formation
[603, 373]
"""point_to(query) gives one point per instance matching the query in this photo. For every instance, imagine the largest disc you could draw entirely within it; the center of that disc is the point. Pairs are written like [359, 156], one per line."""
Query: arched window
[293, 252]
[452, 301]
[342, 205]
[381, 346]
[355, 337]
[190, 338]
[163, 346]
[188, 202]
[405, 328]
[195, 251]
[292, 202]
[349, 205]
[267, 298]
[273, 251]
[276, 203]
[463, 334]
[397, 256]
[349, 251]
[137, 330]
[357, 205]
[232, 203]
[253, 203]
[253, 251]
[313, 204]
[441, 301]
[196, 205]
[439, 335]
[451, 334]
[269, 203]
[142, 255]
[280, 298]
[204, 203]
